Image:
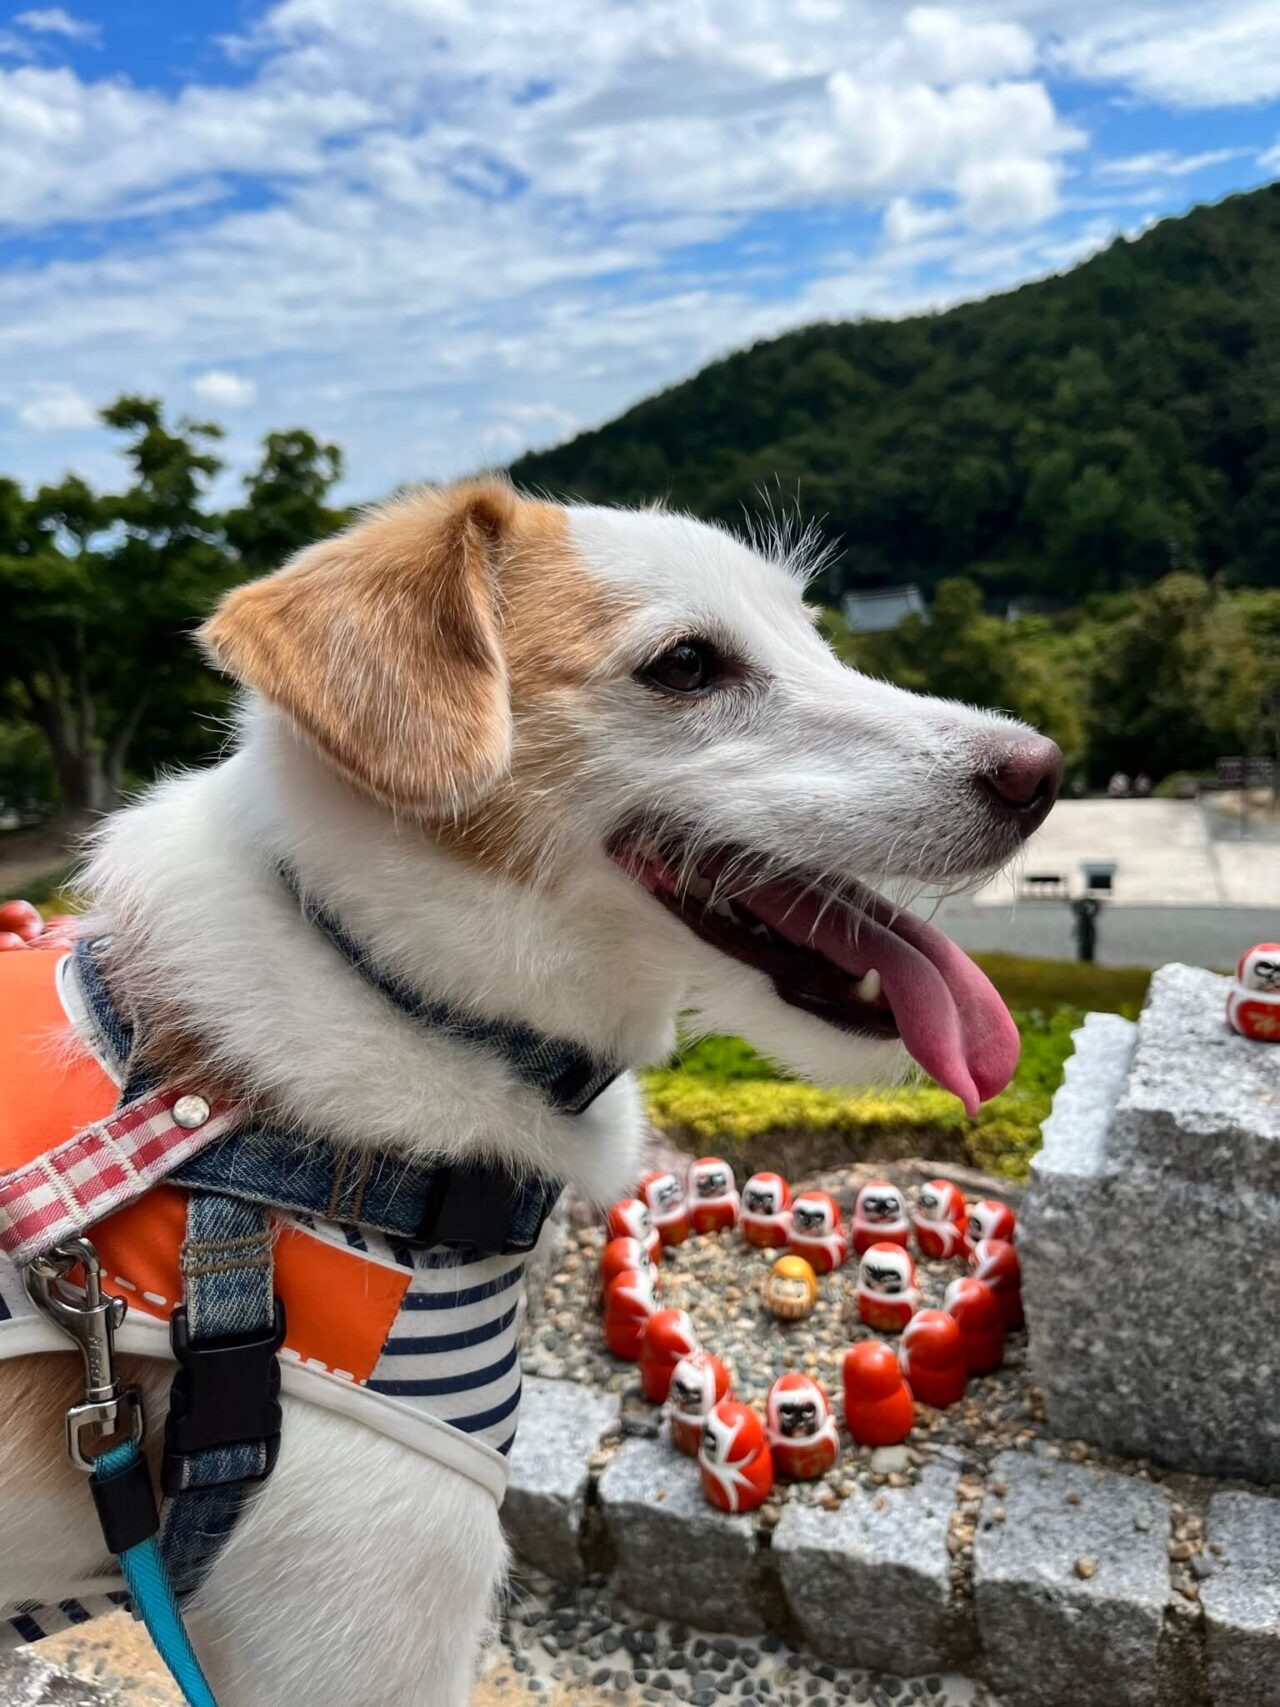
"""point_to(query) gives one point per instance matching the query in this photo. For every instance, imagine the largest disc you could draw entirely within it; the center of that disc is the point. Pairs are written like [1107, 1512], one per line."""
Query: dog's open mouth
[846, 956]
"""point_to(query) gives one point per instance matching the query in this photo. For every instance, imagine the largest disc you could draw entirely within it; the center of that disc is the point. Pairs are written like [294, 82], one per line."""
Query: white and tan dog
[578, 767]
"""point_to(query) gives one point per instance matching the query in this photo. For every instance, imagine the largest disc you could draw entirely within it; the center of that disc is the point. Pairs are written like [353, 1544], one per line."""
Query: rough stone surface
[1242, 1600]
[27, 1680]
[1148, 1237]
[675, 1555]
[1071, 1585]
[869, 1583]
[561, 1425]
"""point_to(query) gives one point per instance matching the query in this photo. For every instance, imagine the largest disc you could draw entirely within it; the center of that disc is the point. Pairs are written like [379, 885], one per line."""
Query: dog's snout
[1024, 781]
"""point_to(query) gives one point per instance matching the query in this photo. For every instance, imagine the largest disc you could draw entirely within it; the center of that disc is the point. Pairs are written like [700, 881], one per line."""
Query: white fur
[364, 1572]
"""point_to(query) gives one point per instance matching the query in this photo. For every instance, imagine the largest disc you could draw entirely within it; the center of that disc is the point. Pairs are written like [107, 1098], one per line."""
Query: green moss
[1048, 984]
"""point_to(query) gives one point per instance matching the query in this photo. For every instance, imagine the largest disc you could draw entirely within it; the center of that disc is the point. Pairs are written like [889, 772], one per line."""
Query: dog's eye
[690, 666]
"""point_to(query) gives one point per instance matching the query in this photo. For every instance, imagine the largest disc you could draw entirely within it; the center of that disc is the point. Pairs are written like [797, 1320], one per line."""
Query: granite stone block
[561, 1425]
[1241, 1600]
[869, 1584]
[675, 1555]
[1071, 1585]
[1148, 1240]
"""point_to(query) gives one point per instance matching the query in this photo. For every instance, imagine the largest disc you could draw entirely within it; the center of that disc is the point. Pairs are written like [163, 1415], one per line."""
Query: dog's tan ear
[384, 645]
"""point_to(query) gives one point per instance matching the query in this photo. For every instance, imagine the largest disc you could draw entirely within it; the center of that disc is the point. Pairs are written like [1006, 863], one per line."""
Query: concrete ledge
[1242, 1600]
[675, 1555]
[1070, 1587]
[870, 1583]
[561, 1427]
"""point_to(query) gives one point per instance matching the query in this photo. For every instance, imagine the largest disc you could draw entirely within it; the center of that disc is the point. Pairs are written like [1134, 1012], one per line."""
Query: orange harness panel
[339, 1303]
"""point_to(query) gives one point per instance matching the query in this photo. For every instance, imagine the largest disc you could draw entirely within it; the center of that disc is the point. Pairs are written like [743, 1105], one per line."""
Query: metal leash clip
[90, 1317]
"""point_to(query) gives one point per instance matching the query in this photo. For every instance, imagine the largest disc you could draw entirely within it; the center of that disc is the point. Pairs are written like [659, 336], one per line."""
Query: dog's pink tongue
[949, 1015]
[991, 1044]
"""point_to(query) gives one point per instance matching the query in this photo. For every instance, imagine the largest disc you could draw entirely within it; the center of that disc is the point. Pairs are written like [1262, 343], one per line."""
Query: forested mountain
[1085, 433]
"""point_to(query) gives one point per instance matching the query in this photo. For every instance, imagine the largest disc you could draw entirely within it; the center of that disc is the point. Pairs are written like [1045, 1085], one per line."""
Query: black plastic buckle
[226, 1393]
[469, 1206]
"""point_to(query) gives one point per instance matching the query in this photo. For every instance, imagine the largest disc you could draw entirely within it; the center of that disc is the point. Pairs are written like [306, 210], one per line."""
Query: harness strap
[484, 1207]
[104, 1166]
[223, 1428]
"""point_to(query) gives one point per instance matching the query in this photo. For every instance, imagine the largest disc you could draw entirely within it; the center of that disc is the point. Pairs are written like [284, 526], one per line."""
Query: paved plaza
[1187, 886]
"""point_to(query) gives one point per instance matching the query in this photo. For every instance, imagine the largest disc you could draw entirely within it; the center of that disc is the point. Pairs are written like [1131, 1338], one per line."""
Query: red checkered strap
[105, 1165]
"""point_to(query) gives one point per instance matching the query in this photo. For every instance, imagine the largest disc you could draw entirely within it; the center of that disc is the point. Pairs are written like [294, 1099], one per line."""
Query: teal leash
[148, 1582]
[118, 1476]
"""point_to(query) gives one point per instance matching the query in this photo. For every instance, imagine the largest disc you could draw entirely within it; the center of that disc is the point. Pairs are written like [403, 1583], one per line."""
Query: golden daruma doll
[791, 1290]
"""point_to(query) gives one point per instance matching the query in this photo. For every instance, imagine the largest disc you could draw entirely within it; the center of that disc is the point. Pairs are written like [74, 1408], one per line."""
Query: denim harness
[223, 1429]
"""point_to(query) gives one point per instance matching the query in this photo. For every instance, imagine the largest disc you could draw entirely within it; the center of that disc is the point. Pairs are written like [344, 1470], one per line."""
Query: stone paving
[1166, 853]
[1072, 1570]
[1187, 887]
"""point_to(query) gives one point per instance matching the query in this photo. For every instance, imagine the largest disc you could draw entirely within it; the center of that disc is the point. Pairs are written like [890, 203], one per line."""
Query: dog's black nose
[1024, 781]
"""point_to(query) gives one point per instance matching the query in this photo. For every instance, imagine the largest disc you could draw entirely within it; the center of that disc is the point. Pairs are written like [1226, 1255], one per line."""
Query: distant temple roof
[874, 613]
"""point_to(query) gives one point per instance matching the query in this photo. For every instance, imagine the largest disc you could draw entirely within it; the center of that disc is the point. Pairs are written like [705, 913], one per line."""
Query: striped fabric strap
[104, 1166]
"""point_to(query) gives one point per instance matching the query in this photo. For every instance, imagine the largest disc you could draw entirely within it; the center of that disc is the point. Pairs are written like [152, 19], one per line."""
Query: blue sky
[441, 232]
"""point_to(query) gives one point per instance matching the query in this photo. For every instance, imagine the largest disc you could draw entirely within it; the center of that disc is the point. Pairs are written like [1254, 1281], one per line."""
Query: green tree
[285, 505]
[97, 595]
[1176, 683]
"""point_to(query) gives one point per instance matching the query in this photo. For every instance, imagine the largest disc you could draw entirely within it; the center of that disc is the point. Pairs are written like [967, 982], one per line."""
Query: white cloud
[905, 220]
[55, 21]
[1269, 159]
[998, 194]
[1165, 163]
[1219, 53]
[943, 47]
[224, 390]
[57, 409]
[90, 149]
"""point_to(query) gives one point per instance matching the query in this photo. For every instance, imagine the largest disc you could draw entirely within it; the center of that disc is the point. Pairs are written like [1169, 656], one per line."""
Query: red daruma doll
[734, 1458]
[620, 1254]
[817, 1232]
[668, 1336]
[990, 1219]
[932, 1358]
[939, 1220]
[880, 1217]
[629, 1219]
[887, 1293]
[698, 1383]
[800, 1428]
[663, 1196]
[878, 1410]
[628, 1305]
[766, 1211]
[995, 1261]
[981, 1321]
[713, 1196]
[1253, 1001]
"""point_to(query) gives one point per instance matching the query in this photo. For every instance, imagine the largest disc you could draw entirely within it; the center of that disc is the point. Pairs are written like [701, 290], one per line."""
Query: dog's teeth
[867, 988]
[725, 910]
[699, 888]
[761, 930]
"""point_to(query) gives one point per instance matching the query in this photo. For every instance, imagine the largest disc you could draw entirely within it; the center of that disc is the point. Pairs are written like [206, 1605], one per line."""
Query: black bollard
[1084, 924]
